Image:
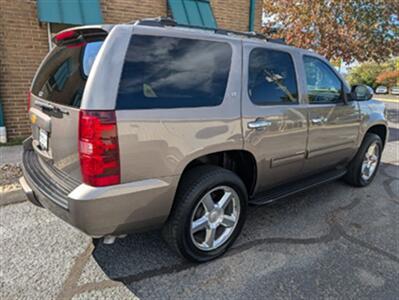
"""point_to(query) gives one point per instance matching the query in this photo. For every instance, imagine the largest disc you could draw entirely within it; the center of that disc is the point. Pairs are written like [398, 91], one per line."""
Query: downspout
[50, 43]
[3, 133]
[252, 5]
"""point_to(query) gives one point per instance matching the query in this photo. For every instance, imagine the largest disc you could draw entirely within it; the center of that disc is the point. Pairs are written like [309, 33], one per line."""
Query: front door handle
[259, 124]
[318, 121]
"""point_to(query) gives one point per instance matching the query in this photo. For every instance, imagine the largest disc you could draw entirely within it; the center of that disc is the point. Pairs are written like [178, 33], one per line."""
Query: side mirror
[361, 92]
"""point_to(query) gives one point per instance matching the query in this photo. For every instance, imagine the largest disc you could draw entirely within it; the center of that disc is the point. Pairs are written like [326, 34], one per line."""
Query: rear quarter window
[62, 77]
[166, 72]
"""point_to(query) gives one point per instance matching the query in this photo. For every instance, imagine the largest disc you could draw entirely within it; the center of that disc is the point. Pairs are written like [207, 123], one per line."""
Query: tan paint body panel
[334, 141]
[279, 149]
[136, 206]
[62, 136]
[167, 140]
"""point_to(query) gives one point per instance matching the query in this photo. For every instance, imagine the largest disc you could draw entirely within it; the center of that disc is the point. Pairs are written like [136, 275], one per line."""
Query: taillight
[98, 148]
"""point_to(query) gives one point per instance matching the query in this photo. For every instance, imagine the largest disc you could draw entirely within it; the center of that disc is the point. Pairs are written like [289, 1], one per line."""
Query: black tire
[193, 186]
[96, 241]
[354, 175]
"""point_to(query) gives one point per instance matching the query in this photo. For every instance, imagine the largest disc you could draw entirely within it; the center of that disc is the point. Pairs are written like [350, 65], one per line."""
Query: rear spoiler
[78, 36]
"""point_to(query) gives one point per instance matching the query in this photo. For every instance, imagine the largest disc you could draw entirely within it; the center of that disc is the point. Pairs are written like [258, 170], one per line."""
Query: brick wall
[234, 14]
[258, 15]
[24, 43]
[229, 14]
[119, 11]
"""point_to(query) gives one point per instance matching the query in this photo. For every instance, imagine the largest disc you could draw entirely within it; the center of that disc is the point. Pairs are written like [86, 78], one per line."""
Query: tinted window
[323, 84]
[271, 78]
[62, 77]
[165, 72]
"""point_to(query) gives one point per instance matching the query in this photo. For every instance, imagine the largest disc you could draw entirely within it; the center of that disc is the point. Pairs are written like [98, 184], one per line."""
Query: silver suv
[153, 124]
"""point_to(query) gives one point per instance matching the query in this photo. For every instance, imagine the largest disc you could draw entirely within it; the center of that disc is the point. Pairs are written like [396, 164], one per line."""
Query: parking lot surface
[334, 241]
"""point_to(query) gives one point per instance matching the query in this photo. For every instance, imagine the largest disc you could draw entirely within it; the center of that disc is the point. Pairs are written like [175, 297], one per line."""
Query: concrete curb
[11, 197]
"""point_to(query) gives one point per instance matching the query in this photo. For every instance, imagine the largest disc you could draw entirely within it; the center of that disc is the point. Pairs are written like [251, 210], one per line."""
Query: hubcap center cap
[216, 215]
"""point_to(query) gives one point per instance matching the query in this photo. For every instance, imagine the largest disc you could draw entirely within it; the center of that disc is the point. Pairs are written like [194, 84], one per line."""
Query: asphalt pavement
[334, 241]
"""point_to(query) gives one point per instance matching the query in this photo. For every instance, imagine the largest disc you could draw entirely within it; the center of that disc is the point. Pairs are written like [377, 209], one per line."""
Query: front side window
[166, 72]
[323, 84]
[271, 78]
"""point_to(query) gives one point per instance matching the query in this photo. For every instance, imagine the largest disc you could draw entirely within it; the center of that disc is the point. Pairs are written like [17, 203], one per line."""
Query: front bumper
[117, 209]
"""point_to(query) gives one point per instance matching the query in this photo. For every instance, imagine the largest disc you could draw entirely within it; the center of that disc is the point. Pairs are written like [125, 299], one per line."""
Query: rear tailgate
[56, 95]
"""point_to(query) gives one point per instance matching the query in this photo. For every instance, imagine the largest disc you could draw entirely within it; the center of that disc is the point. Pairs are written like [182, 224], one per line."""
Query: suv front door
[333, 121]
[274, 119]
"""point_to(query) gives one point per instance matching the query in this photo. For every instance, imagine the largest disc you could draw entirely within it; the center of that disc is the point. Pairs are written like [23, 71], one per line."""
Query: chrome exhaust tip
[110, 239]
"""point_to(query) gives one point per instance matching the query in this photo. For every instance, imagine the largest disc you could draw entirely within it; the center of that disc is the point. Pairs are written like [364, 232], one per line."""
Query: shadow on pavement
[297, 219]
[393, 134]
[393, 115]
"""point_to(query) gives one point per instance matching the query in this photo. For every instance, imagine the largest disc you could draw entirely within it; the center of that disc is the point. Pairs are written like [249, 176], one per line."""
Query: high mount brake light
[65, 35]
[79, 37]
[99, 148]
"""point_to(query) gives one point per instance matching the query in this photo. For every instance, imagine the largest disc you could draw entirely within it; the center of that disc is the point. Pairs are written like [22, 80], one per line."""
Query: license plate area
[43, 139]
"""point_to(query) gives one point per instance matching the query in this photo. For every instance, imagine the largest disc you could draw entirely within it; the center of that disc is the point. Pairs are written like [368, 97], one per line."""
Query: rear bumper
[118, 209]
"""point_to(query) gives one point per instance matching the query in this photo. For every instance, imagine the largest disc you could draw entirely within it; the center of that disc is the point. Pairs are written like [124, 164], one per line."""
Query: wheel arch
[241, 162]
[379, 129]
[373, 120]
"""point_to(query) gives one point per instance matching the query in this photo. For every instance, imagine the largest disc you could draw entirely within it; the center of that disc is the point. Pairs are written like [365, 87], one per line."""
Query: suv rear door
[56, 96]
[274, 119]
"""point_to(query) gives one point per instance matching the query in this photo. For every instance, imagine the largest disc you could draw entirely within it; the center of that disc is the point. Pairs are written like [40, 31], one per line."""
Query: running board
[298, 186]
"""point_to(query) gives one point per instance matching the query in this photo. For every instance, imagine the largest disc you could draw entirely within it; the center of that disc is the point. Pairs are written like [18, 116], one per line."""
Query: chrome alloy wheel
[370, 161]
[215, 218]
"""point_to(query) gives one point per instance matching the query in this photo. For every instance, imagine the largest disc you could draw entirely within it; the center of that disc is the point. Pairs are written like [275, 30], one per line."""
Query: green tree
[388, 78]
[360, 30]
[367, 73]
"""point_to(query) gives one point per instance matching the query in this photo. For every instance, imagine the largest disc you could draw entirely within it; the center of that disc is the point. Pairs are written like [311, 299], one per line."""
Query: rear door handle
[259, 124]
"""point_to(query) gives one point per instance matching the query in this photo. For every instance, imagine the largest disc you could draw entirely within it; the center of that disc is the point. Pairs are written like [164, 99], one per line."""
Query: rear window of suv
[166, 72]
[62, 77]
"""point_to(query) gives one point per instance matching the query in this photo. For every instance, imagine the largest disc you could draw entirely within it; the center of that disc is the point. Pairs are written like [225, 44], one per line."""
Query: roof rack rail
[166, 21]
[158, 22]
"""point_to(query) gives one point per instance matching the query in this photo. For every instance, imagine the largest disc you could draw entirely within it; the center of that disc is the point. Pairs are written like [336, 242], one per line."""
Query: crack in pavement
[167, 270]
[70, 283]
[100, 285]
[336, 231]
[387, 182]
[387, 186]
[368, 246]
[332, 221]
